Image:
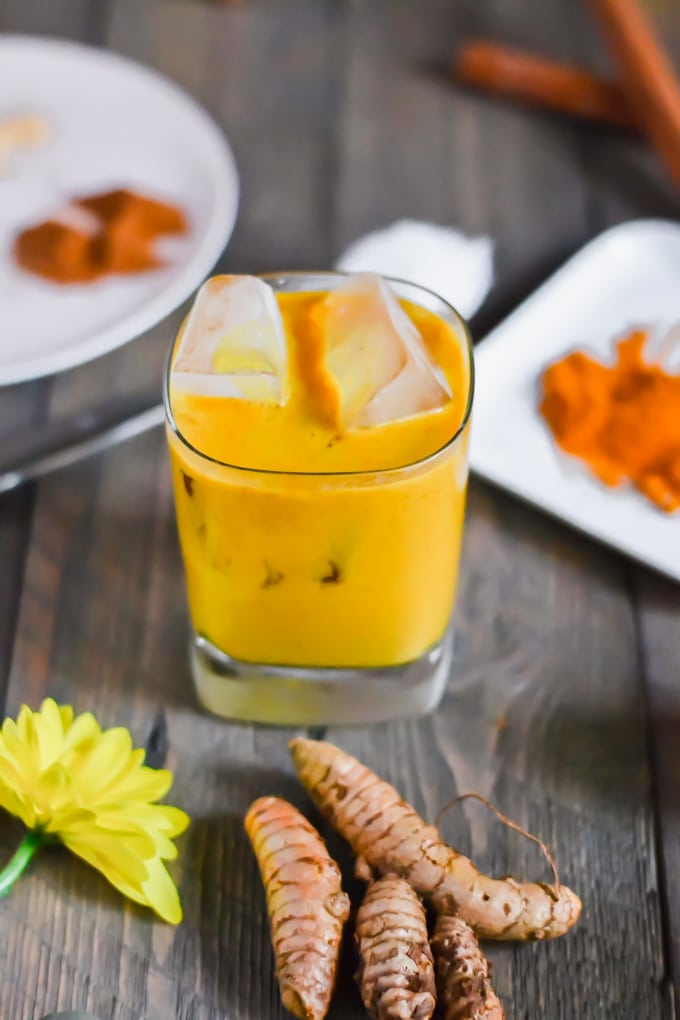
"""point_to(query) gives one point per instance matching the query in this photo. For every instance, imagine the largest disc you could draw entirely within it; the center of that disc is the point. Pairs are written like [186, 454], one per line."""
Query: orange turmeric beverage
[318, 430]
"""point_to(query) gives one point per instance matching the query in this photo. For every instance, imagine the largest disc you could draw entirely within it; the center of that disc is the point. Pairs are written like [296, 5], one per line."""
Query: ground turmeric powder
[98, 235]
[622, 420]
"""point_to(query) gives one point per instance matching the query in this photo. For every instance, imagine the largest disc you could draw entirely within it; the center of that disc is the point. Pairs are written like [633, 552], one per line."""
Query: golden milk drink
[318, 429]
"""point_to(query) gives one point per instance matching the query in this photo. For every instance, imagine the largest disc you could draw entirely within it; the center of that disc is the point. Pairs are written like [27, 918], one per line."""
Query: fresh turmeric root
[307, 907]
[463, 973]
[394, 839]
[396, 970]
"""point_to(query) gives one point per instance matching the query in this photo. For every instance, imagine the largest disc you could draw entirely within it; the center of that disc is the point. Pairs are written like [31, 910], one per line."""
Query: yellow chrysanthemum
[70, 781]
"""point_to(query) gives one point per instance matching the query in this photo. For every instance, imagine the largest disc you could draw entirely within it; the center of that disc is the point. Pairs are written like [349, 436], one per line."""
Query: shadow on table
[511, 289]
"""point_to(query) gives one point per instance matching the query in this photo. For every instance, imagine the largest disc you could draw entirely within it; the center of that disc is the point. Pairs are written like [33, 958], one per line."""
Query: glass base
[286, 696]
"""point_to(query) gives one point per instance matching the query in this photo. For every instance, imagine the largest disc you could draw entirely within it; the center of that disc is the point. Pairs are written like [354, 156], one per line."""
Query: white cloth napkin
[457, 267]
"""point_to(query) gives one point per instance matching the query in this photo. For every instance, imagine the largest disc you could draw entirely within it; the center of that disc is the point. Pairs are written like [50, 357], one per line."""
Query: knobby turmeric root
[307, 907]
[393, 838]
[363, 872]
[396, 971]
[463, 973]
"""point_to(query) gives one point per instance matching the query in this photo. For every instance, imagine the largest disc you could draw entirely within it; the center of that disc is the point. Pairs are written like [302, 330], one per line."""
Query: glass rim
[363, 472]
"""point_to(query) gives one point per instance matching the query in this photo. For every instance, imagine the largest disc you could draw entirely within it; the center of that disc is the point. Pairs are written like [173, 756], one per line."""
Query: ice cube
[377, 356]
[233, 343]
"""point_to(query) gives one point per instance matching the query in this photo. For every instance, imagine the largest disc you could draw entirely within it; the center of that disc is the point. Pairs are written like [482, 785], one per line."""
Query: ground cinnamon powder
[623, 420]
[96, 235]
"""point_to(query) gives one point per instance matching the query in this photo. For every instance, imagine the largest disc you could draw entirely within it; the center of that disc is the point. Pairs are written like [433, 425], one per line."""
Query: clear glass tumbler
[323, 598]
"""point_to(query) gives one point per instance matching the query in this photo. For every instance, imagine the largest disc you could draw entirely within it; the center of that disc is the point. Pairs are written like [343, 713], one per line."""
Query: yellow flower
[70, 781]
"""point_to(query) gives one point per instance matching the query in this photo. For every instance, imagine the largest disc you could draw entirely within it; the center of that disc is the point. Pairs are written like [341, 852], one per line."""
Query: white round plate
[113, 123]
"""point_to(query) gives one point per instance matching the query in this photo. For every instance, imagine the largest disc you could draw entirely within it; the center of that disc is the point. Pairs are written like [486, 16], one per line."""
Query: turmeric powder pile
[99, 235]
[622, 420]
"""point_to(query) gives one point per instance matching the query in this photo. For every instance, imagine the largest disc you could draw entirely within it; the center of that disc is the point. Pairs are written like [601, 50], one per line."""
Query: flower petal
[50, 732]
[24, 724]
[145, 882]
[145, 784]
[118, 830]
[9, 773]
[161, 893]
[171, 820]
[83, 734]
[110, 871]
[71, 819]
[120, 773]
[48, 744]
[18, 805]
[53, 791]
[91, 789]
[24, 752]
[112, 854]
[66, 714]
[160, 821]
[92, 771]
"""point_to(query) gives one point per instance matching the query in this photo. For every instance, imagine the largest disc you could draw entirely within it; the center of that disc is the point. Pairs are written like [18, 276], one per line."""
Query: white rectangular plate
[627, 277]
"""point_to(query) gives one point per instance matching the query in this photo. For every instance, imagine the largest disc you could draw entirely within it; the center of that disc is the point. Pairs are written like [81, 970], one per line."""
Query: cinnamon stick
[540, 82]
[646, 75]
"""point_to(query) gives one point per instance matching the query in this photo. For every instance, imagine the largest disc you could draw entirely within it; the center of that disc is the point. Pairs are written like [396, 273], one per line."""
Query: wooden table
[564, 704]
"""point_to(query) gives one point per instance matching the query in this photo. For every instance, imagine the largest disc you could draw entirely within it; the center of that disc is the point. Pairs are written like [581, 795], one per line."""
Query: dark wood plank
[15, 517]
[640, 188]
[24, 406]
[545, 708]
[658, 608]
[625, 176]
[103, 620]
[72, 19]
[270, 75]
[544, 716]
[103, 624]
[525, 164]
[21, 407]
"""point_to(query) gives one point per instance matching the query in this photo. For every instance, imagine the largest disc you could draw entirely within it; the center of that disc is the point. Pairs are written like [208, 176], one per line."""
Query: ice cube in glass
[233, 344]
[376, 355]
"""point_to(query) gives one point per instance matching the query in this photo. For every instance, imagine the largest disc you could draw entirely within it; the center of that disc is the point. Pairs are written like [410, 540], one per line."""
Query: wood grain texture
[21, 407]
[270, 74]
[533, 720]
[657, 604]
[534, 643]
[15, 517]
[73, 19]
[26, 405]
[103, 624]
[566, 660]
[526, 165]
[102, 619]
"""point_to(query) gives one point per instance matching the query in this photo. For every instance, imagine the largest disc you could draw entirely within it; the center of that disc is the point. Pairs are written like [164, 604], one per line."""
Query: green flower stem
[31, 842]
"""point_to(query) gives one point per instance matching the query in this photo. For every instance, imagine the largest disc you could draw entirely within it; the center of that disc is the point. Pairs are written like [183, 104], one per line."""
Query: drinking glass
[316, 597]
